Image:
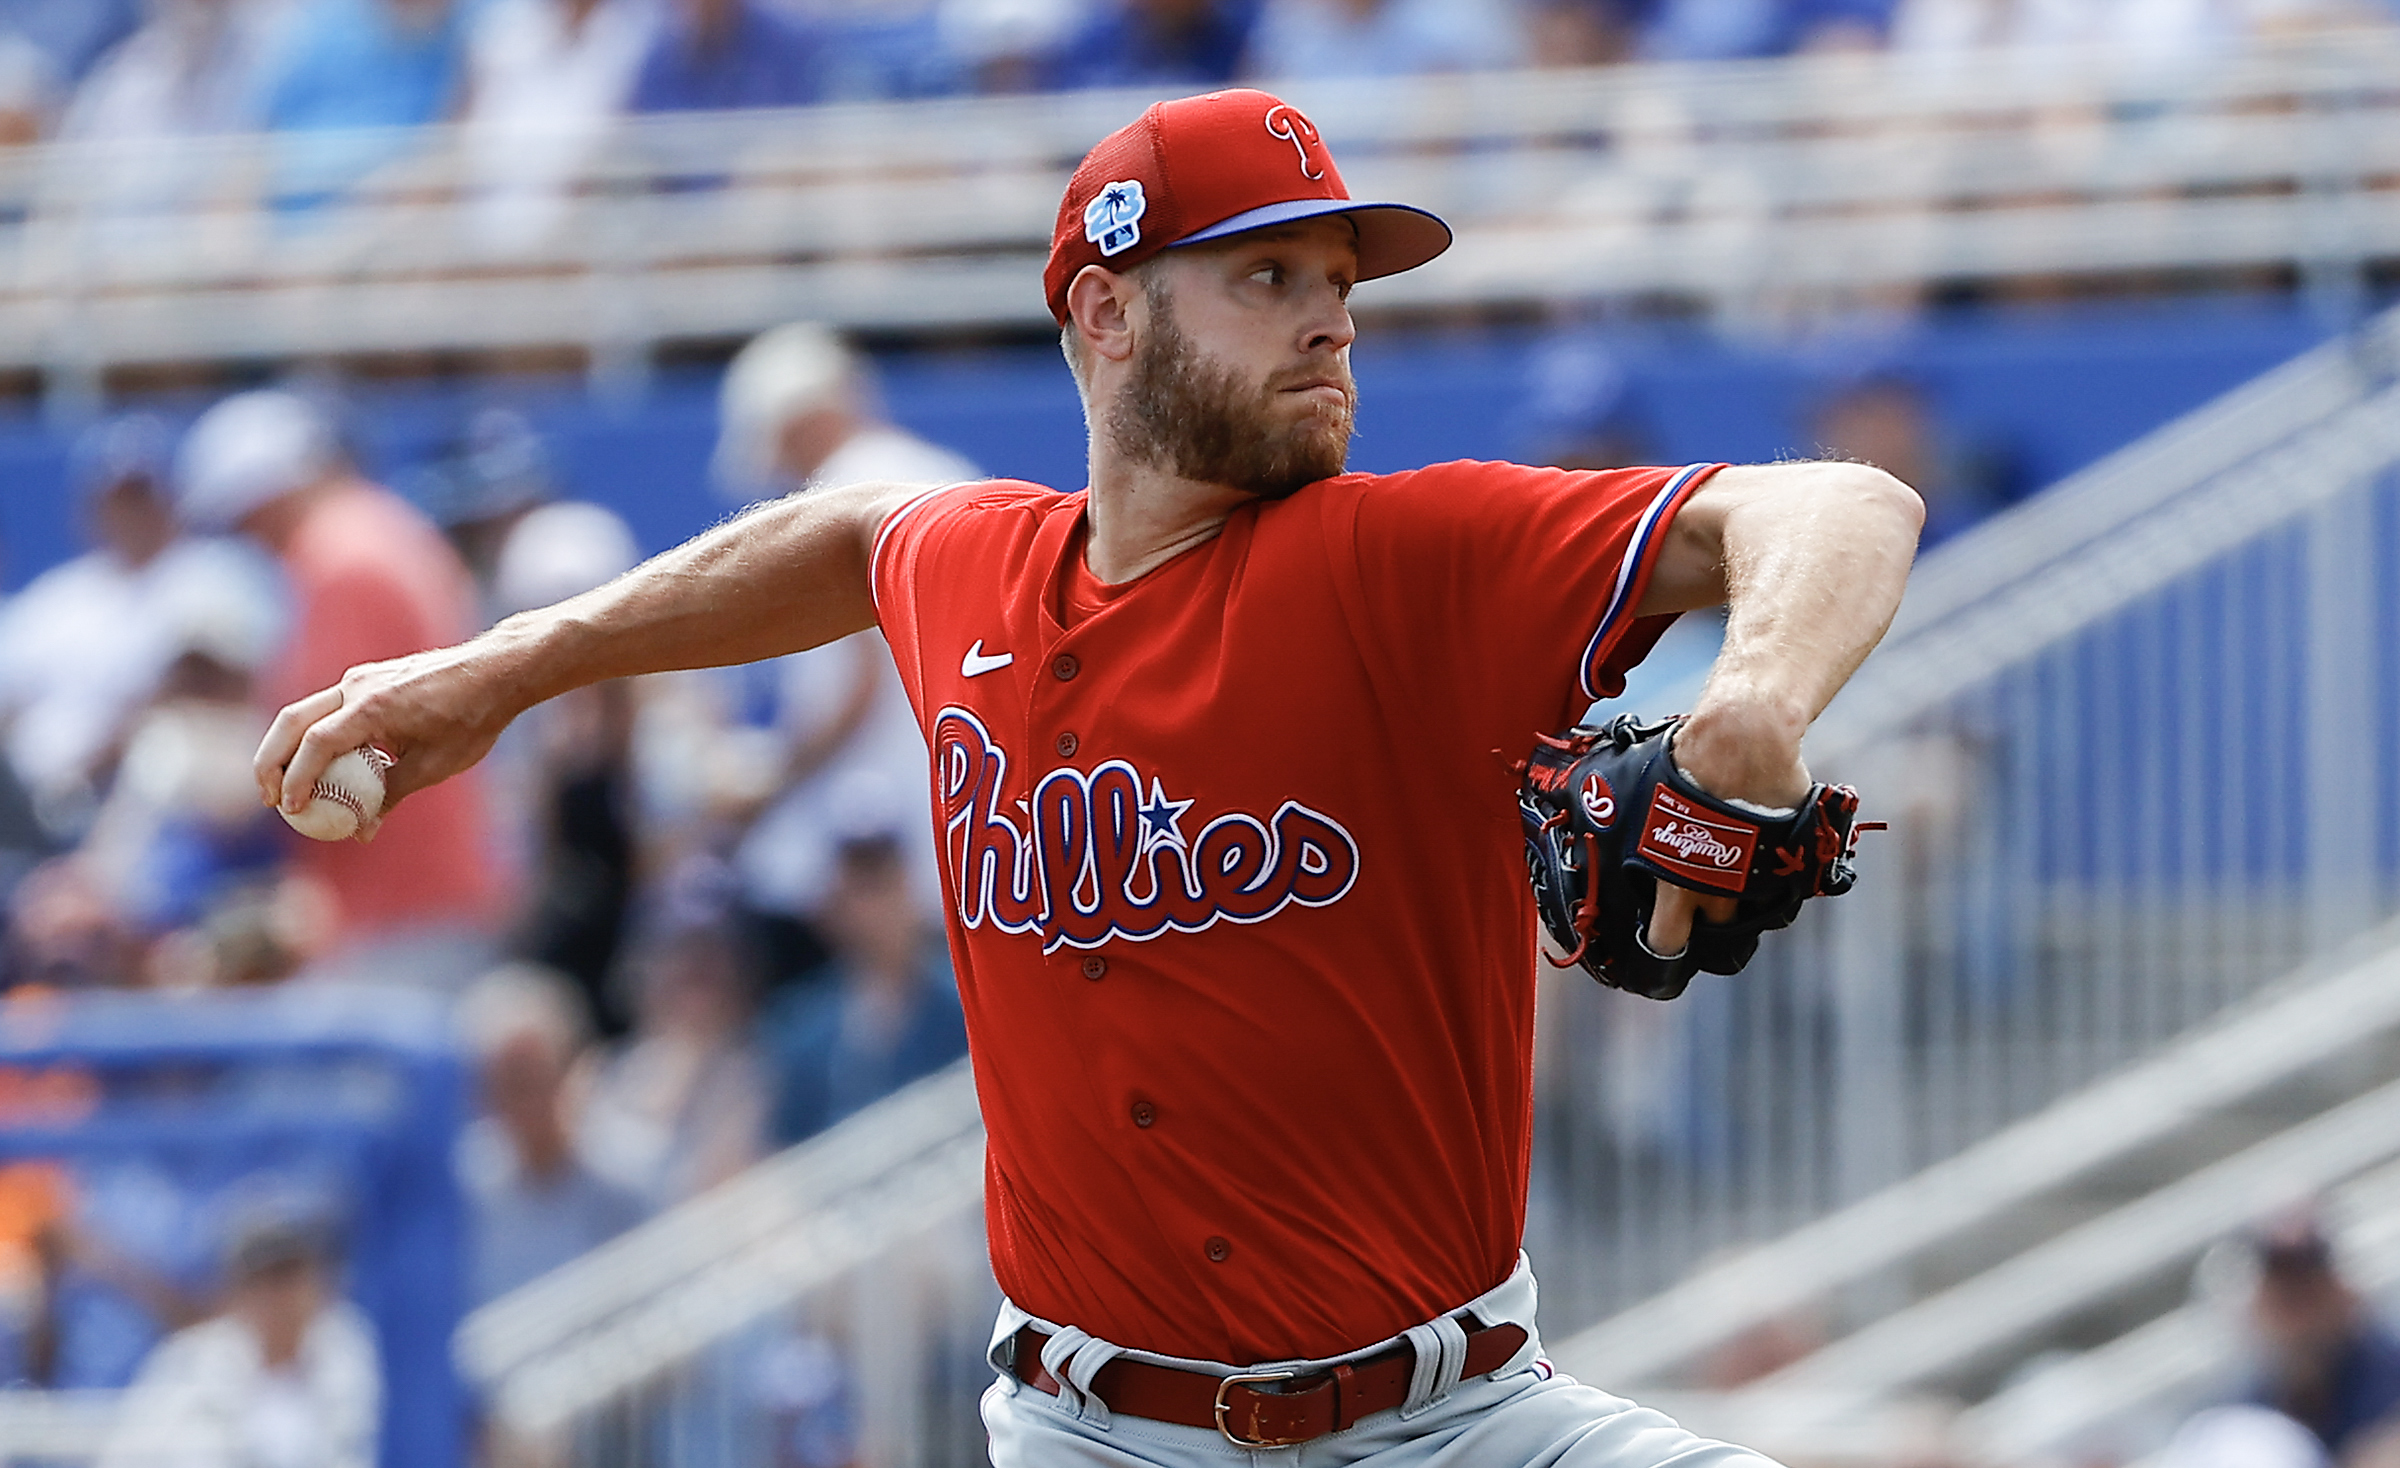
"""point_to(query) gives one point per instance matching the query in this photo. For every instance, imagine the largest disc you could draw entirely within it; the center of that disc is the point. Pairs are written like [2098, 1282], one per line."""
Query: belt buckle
[1228, 1383]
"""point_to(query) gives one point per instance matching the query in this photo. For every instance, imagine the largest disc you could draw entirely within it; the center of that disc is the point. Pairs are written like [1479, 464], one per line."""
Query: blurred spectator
[481, 488]
[181, 830]
[177, 840]
[286, 1377]
[1002, 44]
[1582, 32]
[2159, 30]
[29, 90]
[2325, 1360]
[1884, 417]
[257, 929]
[579, 746]
[1167, 44]
[545, 79]
[890, 1014]
[2241, 1437]
[680, 1107]
[65, 932]
[85, 643]
[69, 37]
[798, 413]
[2301, 17]
[534, 1203]
[194, 68]
[371, 579]
[728, 54]
[352, 67]
[1717, 30]
[1370, 38]
[1581, 410]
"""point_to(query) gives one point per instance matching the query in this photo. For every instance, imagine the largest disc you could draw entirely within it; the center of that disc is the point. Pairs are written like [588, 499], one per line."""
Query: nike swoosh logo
[976, 664]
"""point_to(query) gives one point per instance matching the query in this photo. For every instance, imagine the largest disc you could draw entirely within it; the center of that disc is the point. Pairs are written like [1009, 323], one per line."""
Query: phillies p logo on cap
[1289, 124]
[1203, 168]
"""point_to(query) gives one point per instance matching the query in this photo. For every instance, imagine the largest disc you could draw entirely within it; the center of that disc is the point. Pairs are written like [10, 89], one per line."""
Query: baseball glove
[1608, 816]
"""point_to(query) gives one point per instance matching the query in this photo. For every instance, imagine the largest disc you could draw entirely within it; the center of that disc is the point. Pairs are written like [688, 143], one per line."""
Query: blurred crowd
[541, 72]
[681, 921]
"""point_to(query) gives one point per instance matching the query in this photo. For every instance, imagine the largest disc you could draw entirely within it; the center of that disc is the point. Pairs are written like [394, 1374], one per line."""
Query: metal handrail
[647, 1302]
[2317, 1014]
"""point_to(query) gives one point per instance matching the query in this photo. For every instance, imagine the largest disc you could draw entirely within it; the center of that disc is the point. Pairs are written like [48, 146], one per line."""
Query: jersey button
[1144, 1113]
[1065, 666]
[1095, 967]
[1067, 745]
[1219, 1250]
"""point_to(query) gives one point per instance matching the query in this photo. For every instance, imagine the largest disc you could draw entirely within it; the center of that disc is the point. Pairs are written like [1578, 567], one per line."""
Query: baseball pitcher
[1237, 761]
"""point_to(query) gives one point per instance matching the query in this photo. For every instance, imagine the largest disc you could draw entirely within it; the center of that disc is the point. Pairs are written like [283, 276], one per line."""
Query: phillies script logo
[1092, 856]
[1707, 848]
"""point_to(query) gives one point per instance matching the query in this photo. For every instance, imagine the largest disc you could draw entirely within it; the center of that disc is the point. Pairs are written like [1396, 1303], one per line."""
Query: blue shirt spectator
[884, 1013]
[1711, 30]
[1157, 43]
[1370, 38]
[721, 54]
[368, 63]
[72, 35]
[360, 64]
[2322, 1356]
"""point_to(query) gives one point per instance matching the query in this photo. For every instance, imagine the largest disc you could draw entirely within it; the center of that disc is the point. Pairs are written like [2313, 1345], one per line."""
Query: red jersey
[1236, 889]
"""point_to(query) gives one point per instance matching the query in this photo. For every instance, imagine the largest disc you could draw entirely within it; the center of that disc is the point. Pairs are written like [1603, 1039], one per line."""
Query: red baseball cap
[1201, 168]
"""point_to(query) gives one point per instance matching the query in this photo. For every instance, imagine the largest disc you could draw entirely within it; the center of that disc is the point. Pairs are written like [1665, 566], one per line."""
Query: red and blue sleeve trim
[883, 532]
[1633, 574]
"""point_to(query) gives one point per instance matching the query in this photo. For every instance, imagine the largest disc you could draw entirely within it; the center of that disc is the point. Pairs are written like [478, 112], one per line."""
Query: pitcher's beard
[1194, 417]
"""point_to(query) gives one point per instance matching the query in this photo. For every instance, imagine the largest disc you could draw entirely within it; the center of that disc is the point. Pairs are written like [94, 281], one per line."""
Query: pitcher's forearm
[783, 577]
[1812, 581]
[787, 576]
[1810, 560]
[1814, 558]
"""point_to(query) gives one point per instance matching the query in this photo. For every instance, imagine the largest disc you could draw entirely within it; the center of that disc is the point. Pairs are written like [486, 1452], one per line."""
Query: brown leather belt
[1265, 1409]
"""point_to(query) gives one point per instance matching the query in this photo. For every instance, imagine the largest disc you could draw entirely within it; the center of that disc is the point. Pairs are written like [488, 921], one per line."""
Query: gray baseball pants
[1523, 1414]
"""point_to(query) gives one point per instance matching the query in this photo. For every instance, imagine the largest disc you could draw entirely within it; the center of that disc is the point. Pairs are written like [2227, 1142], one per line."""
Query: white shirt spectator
[83, 645]
[876, 781]
[522, 1226]
[193, 70]
[2150, 30]
[206, 1399]
[541, 94]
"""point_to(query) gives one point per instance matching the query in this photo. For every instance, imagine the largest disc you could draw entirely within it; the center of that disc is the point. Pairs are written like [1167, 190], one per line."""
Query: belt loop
[1056, 1351]
[1345, 1396]
[1441, 1347]
[1093, 1354]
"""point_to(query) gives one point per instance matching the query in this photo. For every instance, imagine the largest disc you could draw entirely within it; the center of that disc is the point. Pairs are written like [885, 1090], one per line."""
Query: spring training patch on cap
[1113, 219]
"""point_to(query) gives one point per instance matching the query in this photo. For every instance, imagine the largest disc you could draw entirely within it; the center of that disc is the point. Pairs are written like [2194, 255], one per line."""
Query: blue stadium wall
[2053, 389]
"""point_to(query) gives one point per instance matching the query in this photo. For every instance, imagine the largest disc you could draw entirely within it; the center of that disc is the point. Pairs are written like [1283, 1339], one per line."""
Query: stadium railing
[2128, 736]
[1754, 187]
[666, 1342]
[170, 1119]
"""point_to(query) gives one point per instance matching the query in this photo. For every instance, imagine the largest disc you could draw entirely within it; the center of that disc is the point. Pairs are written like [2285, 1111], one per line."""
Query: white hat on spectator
[247, 451]
[560, 550]
[784, 371]
[2242, 1437]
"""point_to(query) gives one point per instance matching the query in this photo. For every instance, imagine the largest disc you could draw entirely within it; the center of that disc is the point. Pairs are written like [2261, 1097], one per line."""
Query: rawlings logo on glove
[1595, 876]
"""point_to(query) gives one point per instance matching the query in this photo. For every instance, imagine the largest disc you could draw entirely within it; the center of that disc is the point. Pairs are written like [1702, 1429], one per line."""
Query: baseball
[350, 789]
